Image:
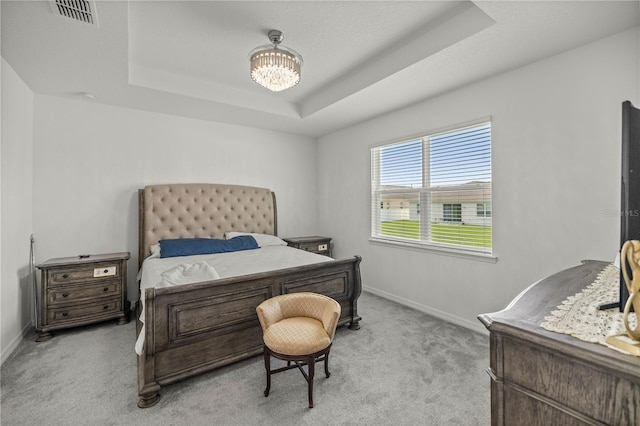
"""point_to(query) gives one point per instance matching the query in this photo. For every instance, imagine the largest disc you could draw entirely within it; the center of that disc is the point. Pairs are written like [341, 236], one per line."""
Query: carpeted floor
[402, 367]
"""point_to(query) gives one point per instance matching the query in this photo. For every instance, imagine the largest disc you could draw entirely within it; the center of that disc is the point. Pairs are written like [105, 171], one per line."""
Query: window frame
[425, 205]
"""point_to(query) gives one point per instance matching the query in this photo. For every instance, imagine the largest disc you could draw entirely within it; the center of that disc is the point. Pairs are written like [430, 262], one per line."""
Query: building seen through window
[449, 174]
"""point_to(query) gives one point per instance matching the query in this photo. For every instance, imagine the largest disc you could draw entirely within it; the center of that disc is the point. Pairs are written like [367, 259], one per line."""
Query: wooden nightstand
[78, 290]
[315, 244]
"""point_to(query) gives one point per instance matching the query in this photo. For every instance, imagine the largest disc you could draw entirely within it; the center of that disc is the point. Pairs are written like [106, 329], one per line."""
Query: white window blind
[434, 190]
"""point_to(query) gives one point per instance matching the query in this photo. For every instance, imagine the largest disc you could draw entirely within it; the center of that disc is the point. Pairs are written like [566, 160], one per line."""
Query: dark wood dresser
[539, 377]
[78, 290]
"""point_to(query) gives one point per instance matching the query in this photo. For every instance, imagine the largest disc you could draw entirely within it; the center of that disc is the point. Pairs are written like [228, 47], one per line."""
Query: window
[452, 212]
[448, 174]
[483, 210]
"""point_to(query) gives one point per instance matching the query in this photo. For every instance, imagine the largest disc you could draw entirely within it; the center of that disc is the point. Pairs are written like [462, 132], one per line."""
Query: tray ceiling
[361, 58]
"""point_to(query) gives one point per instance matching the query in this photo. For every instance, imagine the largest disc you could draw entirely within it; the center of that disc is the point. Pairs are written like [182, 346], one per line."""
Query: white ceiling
[361, 58]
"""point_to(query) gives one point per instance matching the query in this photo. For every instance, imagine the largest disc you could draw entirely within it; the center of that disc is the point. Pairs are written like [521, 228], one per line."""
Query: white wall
[556, 174]
[71, 168]
[16, 154]
[90, 159]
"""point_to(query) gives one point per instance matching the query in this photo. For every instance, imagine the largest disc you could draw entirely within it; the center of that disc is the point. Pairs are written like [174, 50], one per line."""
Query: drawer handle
[105, 289]
[65, 275]
[105, 307]
[64, 314]
[65, 294]
[493, 376]
[106, 271]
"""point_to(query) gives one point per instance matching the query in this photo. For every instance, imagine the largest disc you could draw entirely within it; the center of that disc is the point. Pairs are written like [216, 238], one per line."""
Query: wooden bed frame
[197, 327]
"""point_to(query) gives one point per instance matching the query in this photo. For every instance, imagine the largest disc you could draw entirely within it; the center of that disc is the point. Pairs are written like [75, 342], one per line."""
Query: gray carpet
[402, 367]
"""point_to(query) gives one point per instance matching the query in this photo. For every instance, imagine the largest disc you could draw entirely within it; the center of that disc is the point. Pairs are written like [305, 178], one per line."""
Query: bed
[189, 329]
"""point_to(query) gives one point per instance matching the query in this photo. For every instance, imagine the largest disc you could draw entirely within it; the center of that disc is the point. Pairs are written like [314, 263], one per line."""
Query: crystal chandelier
[273, 66]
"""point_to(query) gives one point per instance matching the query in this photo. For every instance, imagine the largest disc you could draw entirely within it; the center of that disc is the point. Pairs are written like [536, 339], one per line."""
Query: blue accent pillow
[192, 246]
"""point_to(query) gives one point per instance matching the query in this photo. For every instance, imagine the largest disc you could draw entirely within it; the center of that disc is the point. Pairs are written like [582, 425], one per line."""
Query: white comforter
[186, 269]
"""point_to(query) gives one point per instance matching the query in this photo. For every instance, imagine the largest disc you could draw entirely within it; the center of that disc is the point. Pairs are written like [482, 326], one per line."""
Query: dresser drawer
[97, 271]
[70, 313]
[564, 381]
[82, 292]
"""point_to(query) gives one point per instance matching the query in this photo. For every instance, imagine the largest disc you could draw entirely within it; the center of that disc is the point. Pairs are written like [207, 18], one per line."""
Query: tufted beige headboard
[202, 210]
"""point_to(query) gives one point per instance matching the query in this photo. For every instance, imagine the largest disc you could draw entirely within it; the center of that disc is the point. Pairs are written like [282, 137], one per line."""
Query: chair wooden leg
[267, 366]
[297, 361]
[326, 364]
[311, 362]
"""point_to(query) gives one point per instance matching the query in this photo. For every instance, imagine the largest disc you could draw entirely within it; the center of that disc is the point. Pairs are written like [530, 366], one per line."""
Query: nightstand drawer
[84, 273]
[314, 244]
[82, 292]
[70, 313]
[315, 247]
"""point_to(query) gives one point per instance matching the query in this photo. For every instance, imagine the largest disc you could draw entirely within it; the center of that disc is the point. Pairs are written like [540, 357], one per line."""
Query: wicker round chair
[298, 328]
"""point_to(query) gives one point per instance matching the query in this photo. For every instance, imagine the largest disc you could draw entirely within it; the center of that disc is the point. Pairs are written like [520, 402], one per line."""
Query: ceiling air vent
[80, 10]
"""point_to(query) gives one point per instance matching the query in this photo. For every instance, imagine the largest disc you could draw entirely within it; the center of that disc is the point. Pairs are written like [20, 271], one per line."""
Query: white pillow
[263, 240]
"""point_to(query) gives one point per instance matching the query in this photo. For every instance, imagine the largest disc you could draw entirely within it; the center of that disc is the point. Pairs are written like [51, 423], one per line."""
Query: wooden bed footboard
[197, 327]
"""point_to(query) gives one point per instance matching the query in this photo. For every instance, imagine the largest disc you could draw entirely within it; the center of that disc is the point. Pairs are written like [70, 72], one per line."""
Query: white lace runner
[580, 317]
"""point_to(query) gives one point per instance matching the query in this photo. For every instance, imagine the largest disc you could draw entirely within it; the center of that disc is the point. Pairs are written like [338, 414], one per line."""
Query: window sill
[436, 249]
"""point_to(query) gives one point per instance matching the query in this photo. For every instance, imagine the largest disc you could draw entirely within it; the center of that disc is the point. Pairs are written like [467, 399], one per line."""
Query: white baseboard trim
[428, 310]
[11, 347]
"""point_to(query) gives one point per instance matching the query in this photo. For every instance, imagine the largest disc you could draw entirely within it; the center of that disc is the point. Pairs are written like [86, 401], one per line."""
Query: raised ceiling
[361, 58]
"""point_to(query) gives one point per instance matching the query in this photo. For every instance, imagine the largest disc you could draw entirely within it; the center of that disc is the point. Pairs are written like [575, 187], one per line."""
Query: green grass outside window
[459, 234]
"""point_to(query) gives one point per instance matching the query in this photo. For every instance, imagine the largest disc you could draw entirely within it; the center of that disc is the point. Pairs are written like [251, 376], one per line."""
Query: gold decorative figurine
[630, 264]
